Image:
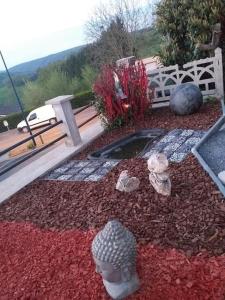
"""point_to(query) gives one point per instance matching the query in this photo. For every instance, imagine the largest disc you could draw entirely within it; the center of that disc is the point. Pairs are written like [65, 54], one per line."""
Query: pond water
[130, 149]
[132, 145]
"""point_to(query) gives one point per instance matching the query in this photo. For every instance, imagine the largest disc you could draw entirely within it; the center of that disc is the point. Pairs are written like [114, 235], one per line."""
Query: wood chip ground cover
[46, 229]
[43, 264]
[191, 219]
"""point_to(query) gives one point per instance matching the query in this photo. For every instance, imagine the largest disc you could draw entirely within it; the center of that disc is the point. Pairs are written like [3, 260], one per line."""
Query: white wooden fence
[207, 74]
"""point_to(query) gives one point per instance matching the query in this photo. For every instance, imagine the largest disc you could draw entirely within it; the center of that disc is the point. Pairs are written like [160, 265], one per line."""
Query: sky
[32, 29]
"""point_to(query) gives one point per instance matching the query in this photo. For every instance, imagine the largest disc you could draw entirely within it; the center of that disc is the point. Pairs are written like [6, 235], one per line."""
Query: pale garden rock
[157, 163]
[221, 176]
[159, 177]
[126, 183]
[161, 183]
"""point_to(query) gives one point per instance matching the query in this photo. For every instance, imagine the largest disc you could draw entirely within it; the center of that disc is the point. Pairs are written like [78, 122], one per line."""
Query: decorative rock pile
[126, 183]
[159, 176]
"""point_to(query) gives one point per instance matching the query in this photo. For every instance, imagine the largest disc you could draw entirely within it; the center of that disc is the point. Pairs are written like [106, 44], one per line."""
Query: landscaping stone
[64, 177]
[83, 170]
[186, 99]
[81, 164]
[61, 169]
[52, 175]
[157, 163]
[102, 171]
[87, 171]
[94, 177]
[159, 177]
[110, 163]
[79, 177]
[127, 183]
[177, 144]
[73, 171]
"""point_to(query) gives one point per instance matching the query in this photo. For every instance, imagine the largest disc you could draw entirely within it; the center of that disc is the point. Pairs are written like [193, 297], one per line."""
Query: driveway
[13, 136]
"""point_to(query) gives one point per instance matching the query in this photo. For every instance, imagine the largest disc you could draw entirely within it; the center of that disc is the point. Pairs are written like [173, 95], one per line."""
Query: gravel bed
[192, 218]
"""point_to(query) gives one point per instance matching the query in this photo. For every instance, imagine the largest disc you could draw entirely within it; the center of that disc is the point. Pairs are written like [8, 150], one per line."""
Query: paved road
[13, 136]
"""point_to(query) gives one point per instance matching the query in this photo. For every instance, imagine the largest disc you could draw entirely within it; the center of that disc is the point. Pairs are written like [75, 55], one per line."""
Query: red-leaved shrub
[114, 109]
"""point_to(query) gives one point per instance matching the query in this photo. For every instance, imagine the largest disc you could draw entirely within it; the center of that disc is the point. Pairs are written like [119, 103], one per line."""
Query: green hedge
[79, 100]
[82, 99]
[12, 119]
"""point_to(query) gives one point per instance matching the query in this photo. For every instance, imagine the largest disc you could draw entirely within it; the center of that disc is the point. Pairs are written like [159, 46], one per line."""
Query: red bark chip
[44, 264]
[191, 219]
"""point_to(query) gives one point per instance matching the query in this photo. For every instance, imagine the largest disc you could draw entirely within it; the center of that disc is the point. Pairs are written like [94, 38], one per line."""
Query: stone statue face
[114, 253]
[107, 271]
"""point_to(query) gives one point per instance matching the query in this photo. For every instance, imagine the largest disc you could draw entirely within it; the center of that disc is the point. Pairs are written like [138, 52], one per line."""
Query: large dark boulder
[186, 99]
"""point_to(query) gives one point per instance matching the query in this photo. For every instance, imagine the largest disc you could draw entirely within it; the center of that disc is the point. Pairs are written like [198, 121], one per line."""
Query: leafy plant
[184, 23]
[30, 146]
[115, 108]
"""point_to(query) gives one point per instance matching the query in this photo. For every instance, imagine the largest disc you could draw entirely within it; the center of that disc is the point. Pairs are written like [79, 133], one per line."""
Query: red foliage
[134, 83]
[44, 264]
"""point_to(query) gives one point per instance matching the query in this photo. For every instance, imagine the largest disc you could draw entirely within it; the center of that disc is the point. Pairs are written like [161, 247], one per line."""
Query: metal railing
[36, 151]
[29, 138]
[26, 157]
[33, 136]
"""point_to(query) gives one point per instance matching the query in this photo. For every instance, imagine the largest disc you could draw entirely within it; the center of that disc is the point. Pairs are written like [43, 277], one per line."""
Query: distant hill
[32, 66]
[9, 109]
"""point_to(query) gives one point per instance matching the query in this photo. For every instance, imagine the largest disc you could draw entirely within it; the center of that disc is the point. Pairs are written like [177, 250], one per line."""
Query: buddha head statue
[114, 253]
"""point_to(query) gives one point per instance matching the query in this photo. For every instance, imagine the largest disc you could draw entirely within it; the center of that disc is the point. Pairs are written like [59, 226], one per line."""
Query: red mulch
[161, 118]
[41, 264]
[191, 219]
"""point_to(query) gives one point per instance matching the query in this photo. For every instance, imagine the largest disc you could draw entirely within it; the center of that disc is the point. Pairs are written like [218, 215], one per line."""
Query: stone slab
[177, 144]
[210, 152]
[82, 170]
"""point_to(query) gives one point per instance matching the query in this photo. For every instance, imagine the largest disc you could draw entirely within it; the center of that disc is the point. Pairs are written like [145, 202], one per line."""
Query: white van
[40, 116]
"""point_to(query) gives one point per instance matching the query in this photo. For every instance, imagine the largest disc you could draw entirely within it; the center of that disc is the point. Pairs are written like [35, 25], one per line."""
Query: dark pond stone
[186, 99]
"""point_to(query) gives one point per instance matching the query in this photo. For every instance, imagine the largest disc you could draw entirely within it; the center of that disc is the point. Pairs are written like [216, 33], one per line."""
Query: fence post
[218, 65]
[64, 112]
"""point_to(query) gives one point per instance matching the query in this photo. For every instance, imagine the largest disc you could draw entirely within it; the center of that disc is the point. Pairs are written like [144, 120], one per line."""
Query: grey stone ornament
[186, 99]
[114, 253]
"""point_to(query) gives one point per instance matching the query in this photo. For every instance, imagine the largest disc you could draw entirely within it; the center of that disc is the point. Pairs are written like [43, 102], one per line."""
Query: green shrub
[82, 99]
[183, 24]
[30, 145]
